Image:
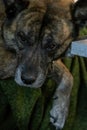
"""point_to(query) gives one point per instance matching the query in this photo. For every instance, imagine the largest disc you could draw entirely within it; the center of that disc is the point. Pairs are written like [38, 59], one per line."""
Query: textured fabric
[24, 108]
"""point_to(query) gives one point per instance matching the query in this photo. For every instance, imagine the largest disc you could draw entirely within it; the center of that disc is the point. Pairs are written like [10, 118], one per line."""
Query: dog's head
[39, 33]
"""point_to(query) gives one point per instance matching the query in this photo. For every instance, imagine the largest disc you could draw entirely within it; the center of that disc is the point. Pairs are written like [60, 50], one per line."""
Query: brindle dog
[39, 32]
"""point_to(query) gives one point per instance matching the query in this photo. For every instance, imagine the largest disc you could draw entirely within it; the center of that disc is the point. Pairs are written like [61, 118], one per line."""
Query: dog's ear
[80, 12]
[13, 7]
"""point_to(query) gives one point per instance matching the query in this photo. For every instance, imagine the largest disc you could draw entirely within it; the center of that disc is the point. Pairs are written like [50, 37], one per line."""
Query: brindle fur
[39, 32]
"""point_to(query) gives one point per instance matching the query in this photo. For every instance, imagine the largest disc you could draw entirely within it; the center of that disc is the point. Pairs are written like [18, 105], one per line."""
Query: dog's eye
[21, 36]
[49, 44]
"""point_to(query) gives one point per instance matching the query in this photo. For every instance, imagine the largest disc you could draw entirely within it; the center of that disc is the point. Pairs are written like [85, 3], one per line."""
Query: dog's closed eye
[21, 37]
[49, 44]
[24, 39]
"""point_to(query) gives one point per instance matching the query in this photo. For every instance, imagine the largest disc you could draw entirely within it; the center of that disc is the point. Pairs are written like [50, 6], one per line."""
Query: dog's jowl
[39, 32]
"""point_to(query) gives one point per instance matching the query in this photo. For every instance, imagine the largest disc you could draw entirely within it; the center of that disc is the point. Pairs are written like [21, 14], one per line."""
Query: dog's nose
[28, 80]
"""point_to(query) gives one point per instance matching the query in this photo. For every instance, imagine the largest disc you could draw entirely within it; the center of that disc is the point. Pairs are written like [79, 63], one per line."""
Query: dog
[39, 32]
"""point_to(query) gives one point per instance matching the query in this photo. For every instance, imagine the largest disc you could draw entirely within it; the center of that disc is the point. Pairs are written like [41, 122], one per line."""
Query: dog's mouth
[29, 81]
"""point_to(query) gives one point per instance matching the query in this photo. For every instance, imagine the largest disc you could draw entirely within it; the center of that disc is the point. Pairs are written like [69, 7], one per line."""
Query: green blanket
[28, 109]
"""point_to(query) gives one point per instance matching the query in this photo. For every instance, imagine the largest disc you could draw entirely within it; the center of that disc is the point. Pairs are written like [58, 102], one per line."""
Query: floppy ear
[13, 7]
[80, 12]
[8, 61]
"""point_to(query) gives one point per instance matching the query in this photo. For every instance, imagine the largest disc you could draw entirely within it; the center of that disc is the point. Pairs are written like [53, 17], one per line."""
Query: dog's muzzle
[31, 81]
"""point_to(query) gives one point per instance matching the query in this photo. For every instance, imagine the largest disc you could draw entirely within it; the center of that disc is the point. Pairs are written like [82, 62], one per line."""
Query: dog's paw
[57, 117]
